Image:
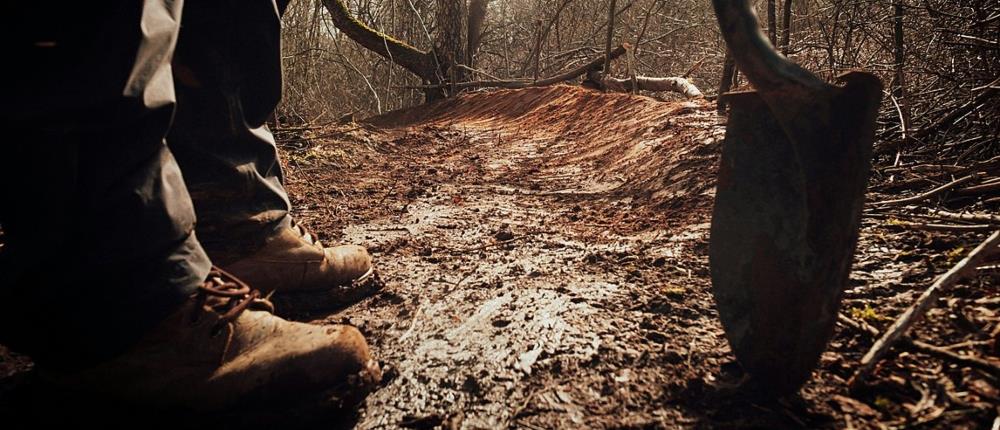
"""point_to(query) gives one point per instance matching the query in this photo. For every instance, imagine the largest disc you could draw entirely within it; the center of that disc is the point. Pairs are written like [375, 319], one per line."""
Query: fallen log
[645, 83]
[520, 83]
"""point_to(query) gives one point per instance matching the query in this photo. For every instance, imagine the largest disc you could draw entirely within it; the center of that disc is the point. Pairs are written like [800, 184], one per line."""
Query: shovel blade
[785, 224]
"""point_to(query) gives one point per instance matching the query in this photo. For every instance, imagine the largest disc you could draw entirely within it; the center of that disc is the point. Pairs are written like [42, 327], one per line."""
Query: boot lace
[228, 296]
[306, 235]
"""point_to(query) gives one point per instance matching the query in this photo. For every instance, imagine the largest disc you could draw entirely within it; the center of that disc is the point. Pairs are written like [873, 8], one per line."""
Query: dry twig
[928, 194]
[970, 217]
[941, 227]
[926, 348]
[916, 311]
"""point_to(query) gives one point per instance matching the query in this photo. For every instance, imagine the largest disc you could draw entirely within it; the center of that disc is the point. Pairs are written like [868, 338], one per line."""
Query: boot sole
[45, 405]
[326, 300]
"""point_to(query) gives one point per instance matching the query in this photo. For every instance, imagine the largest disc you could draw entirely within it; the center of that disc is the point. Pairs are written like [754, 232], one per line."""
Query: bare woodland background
[937, 58]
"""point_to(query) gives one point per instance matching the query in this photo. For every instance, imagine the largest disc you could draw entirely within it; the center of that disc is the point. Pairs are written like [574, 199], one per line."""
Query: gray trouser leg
[228, 78]
[99, 227]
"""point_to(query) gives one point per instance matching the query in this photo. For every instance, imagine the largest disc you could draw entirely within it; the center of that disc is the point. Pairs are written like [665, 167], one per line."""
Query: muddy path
[544, 252]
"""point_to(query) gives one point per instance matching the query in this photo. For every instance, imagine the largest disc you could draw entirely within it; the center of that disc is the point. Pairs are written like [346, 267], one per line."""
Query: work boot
[304, 274]
[224, 348]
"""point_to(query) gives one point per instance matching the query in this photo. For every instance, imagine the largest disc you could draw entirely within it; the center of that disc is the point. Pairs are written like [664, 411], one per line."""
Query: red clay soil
[544, 251]
[545, 259]
[546, 256]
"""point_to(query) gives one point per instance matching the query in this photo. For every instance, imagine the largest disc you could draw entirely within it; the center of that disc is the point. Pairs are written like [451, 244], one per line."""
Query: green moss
[867, 314]
[883, 403]
[674, 291]
[894, 221]
[341, 14]
[955, 254]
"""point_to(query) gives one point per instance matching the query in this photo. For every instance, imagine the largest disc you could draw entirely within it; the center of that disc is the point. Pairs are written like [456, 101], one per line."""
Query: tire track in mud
[543, 269]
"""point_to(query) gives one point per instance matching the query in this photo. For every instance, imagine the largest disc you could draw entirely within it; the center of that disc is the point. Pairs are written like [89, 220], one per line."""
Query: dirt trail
[544, 251]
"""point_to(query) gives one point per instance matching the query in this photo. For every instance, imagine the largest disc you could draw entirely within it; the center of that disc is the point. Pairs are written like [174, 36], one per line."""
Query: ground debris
[547, 269]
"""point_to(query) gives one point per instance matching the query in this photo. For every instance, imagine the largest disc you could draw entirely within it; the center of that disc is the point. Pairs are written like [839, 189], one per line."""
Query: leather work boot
[305, 275]
[224, 348]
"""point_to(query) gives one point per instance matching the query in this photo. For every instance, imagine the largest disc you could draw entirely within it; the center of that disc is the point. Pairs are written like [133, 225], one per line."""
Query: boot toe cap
[349, 262]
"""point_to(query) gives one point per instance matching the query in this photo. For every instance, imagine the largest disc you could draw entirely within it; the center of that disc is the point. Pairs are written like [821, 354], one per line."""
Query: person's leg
[228, 74]
[228, 77]
[102, 281]
[98, 225]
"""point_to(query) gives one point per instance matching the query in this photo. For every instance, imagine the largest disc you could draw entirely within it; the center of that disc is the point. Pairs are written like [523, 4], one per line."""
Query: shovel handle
[767, 70]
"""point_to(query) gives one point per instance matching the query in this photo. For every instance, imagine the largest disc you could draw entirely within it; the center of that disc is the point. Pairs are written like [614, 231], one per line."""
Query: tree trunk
[611, 33]
[450, 41]
[477, 21]
[786, 28]
[899, 57]
[452, 47]
[772, 22]
[537, 49]
[726, 82]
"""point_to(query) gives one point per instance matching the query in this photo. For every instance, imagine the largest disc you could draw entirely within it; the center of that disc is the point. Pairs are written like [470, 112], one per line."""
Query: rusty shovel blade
[785, 223]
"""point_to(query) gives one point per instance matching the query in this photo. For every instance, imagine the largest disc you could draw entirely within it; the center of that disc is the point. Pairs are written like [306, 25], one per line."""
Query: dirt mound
[545, 258]
[566, 105]
[663, 153]
[544, 251]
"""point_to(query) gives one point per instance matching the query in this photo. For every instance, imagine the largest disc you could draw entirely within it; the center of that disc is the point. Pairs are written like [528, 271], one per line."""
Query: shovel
[795, 164]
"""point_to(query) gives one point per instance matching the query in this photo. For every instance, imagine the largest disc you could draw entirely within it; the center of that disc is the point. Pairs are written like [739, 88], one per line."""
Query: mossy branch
[408, 57]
